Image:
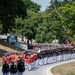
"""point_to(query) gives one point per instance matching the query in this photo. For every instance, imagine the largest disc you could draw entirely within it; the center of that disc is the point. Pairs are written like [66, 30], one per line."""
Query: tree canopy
[9, 10]
[23, 17]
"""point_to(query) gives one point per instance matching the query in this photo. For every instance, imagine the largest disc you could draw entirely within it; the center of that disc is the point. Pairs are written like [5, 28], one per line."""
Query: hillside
[6, 47]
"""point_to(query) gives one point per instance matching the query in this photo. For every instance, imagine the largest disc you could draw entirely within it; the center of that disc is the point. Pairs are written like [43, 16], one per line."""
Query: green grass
[0, 62]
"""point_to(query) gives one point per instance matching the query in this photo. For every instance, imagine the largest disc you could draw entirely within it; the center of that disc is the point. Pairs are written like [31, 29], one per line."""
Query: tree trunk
[28, 41]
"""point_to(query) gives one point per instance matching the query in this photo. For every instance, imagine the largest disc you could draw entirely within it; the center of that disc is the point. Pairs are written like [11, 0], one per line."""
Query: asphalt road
[43, 70]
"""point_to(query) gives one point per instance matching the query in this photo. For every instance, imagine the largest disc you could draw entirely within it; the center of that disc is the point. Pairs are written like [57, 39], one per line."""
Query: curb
[0, 67]
[48, 71]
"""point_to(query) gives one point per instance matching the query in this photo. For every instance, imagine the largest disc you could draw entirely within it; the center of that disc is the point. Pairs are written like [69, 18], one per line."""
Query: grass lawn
[0, 62]
[65, 69]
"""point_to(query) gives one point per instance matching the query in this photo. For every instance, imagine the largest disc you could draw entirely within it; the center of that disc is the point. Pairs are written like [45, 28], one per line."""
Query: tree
[9, 10]
[32, 6]
[49, 28]
[30, 25]
[69, 13]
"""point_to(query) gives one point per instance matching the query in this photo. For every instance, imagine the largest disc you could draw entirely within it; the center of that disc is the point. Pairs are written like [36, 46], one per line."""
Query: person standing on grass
[5, 68]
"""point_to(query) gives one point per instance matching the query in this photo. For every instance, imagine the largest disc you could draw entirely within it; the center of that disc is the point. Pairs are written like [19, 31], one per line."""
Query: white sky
[43, 3]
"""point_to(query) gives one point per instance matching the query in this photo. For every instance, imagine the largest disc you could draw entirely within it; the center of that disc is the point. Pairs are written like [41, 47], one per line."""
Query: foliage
[69, 13]
[32, 6]
[49, 28]
[9, 10]
[18, 27]
[30, 25]
[22, 17]
[66, 14]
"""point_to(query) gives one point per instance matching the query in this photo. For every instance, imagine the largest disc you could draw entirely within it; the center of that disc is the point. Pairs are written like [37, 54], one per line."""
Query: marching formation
[16, 63]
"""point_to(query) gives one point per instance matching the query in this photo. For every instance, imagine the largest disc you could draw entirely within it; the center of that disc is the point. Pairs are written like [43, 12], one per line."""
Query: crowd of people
[16, 63]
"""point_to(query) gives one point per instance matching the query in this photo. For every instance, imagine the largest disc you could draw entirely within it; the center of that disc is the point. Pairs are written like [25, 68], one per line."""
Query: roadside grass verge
[2, 42]
[0, 61]
[65, 69]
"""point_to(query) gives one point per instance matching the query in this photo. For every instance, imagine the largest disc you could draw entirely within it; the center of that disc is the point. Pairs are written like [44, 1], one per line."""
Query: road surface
[43, 70]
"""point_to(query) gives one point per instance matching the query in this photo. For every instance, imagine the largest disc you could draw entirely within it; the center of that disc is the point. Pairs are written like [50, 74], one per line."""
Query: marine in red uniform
[29, 62]
[4, 58]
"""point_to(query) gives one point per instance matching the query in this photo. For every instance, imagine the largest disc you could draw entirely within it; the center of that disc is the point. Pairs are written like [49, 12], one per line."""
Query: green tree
[50, 28]
[32, 6]
[30, 25]
[69, 13]
[9, 10]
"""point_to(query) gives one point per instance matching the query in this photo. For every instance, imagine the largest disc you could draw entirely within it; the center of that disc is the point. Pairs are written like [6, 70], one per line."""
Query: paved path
[43, 70]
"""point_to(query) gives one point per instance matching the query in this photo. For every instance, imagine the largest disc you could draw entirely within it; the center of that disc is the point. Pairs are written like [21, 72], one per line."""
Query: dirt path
[7, 48]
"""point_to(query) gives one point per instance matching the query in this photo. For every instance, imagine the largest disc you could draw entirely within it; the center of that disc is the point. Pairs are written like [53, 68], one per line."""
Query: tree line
[23, 17]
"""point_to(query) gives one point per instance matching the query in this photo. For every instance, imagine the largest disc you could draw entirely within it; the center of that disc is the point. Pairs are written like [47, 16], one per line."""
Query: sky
[43, 3]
